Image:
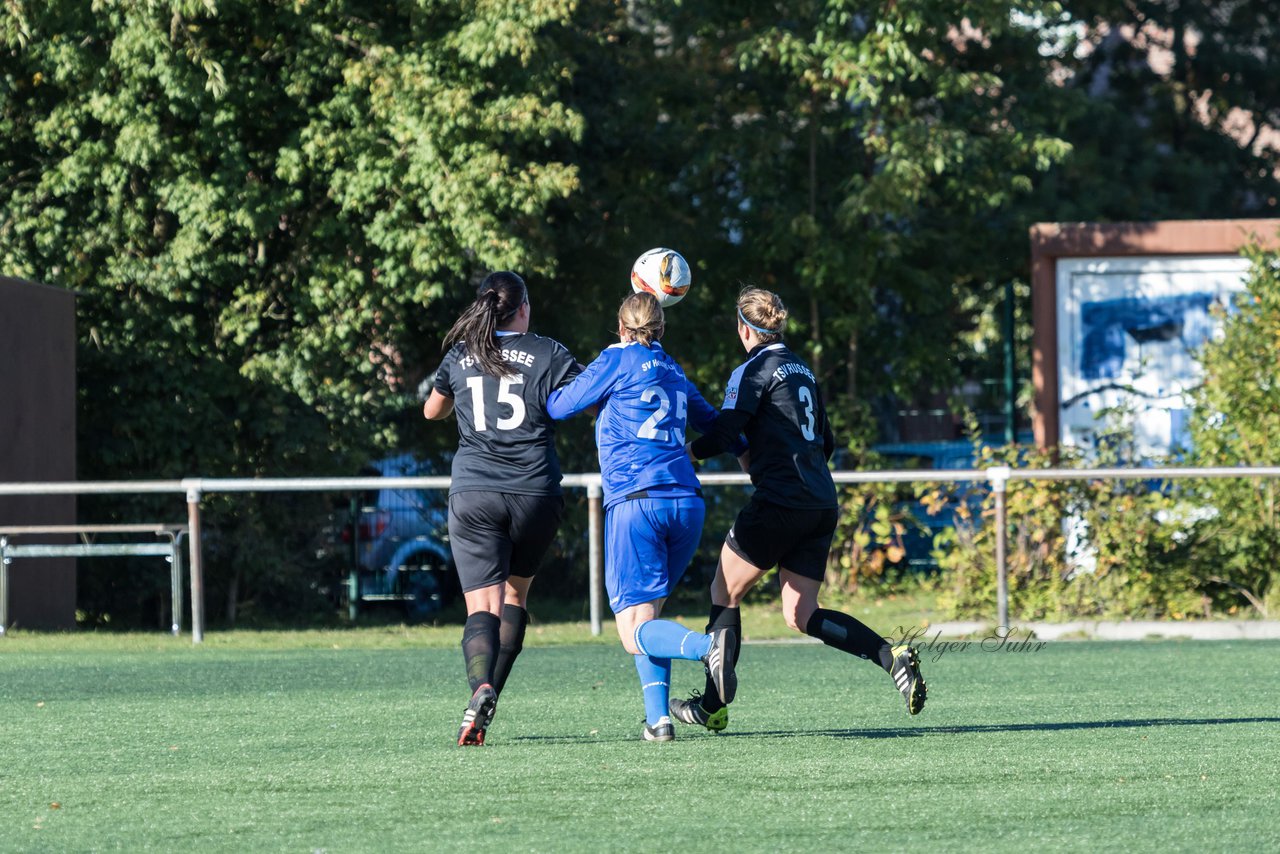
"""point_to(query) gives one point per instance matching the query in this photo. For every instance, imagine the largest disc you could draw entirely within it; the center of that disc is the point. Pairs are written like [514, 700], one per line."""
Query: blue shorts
[648, 543]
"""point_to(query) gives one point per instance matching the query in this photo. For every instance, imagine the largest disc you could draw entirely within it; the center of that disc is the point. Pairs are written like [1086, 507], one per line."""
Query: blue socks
[660, 641]
[669, 639]
[655, 682]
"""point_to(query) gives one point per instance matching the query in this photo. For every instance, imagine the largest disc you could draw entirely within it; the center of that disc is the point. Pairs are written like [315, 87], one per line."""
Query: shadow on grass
[917, 732]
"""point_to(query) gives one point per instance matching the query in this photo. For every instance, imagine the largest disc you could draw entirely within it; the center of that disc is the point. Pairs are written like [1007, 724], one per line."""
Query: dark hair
[498, 299]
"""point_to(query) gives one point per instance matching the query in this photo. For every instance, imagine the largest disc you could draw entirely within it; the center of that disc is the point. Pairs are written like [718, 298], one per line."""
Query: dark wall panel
[38, 441]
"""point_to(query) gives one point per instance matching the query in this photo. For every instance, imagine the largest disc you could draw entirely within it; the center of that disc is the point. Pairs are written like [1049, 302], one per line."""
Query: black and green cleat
[906, 675]
[690, 711]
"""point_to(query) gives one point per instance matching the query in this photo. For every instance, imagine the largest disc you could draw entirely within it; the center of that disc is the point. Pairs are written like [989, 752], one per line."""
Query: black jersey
[506, 439]
[777, 402]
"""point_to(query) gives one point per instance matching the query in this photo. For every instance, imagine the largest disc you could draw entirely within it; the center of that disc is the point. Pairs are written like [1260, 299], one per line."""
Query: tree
[268, 209]
[259, 201]
[1176, 111]
[1236, 420]
[863, 146]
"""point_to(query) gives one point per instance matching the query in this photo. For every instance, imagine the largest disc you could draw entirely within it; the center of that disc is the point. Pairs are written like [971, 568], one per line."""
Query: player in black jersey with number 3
[505, 503]
[774, 399]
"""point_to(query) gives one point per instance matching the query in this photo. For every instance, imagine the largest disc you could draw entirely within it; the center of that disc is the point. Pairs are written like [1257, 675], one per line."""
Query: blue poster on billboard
[1129, 331]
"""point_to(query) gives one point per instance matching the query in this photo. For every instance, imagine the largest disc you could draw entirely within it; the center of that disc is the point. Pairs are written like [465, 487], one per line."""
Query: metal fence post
[999, 477]
[175, 582]
[197, 565]
[595, 552]
[4, 585]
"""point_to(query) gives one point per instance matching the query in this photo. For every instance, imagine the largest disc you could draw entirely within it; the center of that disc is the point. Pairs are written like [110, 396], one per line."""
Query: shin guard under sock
[510, 642]
[669, 639]
[480, 647]
[655, 684]
[845, 633]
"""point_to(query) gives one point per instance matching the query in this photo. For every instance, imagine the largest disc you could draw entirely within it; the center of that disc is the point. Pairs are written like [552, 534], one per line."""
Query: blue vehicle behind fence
[398, 544]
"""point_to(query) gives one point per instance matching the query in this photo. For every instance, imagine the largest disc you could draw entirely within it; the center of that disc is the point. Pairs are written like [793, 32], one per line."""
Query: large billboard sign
[1119, 312]
[1129, 330]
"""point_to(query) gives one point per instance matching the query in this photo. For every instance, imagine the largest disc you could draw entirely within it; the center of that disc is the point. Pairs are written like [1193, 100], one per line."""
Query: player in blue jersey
[774, 399]
[504, 500]
[653, 503]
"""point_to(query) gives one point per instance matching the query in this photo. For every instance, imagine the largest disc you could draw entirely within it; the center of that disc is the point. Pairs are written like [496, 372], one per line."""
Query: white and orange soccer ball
[663, 273]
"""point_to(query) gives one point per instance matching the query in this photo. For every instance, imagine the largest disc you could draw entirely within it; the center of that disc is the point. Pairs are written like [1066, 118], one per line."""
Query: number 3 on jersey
[505, 396]
[649, 429]
[806, 397]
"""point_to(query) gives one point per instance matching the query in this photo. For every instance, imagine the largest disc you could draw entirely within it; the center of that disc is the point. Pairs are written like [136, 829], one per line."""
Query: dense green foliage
[1092, 549]
[1173, 107]
[257, 202]
[1111, 548]
[272, 211]
[1237, 421]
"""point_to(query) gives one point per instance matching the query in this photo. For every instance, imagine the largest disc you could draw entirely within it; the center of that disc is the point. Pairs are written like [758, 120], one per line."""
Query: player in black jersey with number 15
[774, 399]
[505, 503]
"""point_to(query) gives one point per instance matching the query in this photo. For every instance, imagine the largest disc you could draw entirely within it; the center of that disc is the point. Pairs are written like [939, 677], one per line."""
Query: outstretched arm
[584, 391]
[725, 435]
[703, 417]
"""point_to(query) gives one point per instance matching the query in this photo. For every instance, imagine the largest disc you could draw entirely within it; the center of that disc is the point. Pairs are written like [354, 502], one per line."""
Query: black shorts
[497, 534]
[767, 535]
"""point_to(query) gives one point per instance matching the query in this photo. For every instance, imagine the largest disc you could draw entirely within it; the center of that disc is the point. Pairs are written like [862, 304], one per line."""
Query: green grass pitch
[1078, 747]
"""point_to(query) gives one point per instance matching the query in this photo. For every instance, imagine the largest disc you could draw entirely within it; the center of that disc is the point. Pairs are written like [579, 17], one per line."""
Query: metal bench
[170, 550]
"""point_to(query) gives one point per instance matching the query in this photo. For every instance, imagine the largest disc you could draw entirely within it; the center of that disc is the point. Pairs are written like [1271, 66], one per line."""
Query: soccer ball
[663, 273]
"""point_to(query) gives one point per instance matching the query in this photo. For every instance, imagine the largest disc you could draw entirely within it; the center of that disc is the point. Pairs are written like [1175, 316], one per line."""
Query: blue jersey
[645, 404]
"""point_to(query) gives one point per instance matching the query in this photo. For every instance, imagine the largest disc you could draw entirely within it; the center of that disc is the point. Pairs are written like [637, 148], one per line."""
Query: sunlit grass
[761, 621]
[269, 741]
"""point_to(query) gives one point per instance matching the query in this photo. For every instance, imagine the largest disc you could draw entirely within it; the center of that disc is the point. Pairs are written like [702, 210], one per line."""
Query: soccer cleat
[661, 731]
[690, 711]
[906, 675]
[718, 663]
[475, 720]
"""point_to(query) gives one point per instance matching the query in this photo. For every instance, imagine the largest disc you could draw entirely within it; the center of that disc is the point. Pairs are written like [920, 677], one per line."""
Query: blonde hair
[764, 312]
[641, 315]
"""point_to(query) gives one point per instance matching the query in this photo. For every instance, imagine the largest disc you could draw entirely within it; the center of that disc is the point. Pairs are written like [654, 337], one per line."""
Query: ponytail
[763, 312]
[641, 315]
[497, 301]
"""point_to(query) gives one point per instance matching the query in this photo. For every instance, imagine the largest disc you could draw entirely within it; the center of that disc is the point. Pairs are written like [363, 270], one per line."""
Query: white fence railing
[195, 488]
[170, 550]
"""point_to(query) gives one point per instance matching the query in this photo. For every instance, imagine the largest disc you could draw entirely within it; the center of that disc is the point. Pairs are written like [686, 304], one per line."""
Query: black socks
[845, 633]
[510, 642]
[480, 647]
[834, 628]
[722, 617]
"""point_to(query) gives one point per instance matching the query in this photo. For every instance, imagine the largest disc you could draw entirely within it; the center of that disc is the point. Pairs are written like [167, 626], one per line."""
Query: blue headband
[750, 325]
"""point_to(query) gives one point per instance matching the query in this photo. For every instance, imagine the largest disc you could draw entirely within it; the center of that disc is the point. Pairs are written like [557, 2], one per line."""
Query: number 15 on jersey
[506, 397]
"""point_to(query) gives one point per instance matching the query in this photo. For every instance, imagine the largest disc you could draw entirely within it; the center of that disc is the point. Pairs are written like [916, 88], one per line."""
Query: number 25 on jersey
[650, 429]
